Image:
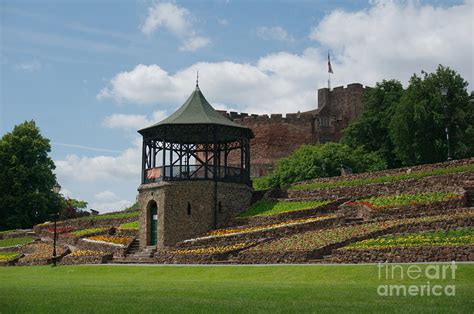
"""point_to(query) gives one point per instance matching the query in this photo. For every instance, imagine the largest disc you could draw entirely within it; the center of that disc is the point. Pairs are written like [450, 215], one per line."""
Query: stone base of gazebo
[186, 209]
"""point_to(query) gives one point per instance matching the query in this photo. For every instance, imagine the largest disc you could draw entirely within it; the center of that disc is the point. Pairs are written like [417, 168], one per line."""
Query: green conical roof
[196, 110]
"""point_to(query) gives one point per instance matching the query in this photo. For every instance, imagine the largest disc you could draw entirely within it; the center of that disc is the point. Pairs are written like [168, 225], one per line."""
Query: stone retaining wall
[117, 251]
[396, 171]
[404, 254]
[260, 235]
[443, 183]
[75, 260]
[305, 256]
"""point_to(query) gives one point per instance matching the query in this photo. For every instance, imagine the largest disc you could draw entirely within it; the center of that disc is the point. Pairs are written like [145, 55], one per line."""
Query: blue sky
[92, 72]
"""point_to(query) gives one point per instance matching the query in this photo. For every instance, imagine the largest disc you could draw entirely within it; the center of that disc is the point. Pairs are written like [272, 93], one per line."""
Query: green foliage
[267, 208]
[15, 241]
[383, 179]
[371, 130]
[6, 256]
[408, 199]
[315, 161]
[463, 236]
[418, 125]
[26, 178]
[262, 183]
[129, 226]
[89, 231]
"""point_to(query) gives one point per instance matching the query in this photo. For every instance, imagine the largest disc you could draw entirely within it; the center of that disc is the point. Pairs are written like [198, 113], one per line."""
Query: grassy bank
[295, 289]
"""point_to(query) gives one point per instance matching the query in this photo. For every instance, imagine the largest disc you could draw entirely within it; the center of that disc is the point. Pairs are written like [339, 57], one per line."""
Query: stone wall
[396, 171]
[175, 222]
[410, 254]
[443, 183]
[278, 135]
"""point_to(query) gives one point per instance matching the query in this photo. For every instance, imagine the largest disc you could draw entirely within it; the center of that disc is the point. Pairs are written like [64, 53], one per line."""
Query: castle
[277, 136]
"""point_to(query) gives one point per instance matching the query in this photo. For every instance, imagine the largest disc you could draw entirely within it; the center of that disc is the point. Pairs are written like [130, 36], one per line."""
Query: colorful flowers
[212, 249]
[312, 240]
[111, 240]
[451, 237]
[81, 253]
[232, 231]
[59, 230]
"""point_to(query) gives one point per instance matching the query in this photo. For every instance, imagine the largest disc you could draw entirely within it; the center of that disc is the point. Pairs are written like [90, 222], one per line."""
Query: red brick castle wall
[277, 136]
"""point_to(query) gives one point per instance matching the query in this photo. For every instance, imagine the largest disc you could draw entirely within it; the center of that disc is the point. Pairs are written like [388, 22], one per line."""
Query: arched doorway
[153, 218]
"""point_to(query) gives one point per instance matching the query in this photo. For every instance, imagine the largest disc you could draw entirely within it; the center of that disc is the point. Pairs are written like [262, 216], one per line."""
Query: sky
[93, 72]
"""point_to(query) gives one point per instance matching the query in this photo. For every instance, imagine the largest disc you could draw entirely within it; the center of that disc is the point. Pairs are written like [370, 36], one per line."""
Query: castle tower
[188, 187]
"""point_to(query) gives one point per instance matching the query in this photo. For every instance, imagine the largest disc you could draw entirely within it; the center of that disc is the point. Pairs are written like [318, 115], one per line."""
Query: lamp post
[56, 188]
[444, 92]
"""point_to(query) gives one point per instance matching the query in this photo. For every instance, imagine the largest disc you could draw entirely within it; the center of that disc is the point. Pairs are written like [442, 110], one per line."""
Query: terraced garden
[287, 228]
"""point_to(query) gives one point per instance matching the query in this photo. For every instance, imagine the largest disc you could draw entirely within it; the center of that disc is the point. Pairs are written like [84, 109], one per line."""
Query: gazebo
[196, 159]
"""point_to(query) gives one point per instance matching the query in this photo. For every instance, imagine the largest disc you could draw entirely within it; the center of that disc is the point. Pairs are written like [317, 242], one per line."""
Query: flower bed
[382, 202]
[111, 239]
[40, 253]
[86, 257]
[464, 236]
[118, 246]
[9, 258]
[317, 243]
[233, 231]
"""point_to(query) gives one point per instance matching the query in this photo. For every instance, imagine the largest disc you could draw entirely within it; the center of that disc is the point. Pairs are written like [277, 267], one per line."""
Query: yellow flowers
[80, 253]
[212, 249]
[225, 232]
[111, 239]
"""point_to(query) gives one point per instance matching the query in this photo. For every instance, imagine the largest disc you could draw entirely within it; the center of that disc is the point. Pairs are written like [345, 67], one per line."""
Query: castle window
[219, 207]
[189, 209]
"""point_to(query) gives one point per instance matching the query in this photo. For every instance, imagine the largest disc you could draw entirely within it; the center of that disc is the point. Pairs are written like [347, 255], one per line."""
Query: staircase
[135, 255]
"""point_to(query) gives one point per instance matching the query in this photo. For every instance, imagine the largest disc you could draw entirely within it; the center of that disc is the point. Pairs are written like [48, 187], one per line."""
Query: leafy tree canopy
[26, 178]
[418, 126]
[371, 130]
[313, 161]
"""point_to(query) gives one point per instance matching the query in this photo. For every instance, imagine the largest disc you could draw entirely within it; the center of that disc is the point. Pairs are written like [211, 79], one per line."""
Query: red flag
[329, 65]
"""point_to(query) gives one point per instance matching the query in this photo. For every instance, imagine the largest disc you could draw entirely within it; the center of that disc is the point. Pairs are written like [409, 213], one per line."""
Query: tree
[371, 130]
[314, 161]
[26, 178]
[418, 125]
[72, 208]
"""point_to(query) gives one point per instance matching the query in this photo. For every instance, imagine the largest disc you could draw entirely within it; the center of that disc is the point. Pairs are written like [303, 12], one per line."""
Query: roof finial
[197, 79]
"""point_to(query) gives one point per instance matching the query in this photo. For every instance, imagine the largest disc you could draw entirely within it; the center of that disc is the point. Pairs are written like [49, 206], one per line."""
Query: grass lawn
[15, 241]
[237, 289]
[267, 208]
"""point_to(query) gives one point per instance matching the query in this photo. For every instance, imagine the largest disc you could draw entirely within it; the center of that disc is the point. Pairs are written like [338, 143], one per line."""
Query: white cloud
[177, 20]
[194, 43]
[132, 122]
[366, 46]
[274, 33]
[29, 66]
[125, 167]
[107, 201]
[396, 39]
